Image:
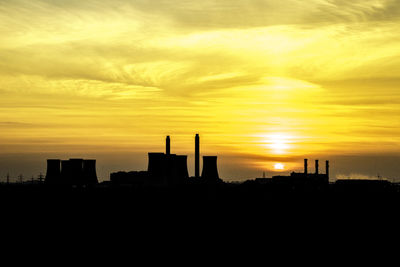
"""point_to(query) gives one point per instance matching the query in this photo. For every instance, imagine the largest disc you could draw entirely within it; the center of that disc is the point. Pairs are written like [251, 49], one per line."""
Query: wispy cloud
[325, 71]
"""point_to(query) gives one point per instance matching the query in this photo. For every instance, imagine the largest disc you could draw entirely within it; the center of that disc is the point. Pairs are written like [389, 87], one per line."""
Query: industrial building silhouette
[71, 172]
[169, 171]
[166, 169]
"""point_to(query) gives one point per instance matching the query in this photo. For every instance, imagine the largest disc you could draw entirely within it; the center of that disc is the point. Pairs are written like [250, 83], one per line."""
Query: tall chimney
[327, 168]
[168, 145]
[197, 156]
[305, 167]
[316, 167]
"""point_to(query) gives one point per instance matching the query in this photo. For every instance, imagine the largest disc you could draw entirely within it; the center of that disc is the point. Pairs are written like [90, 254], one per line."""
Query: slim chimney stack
[316, 167]
[305, 167]
[197, 156]
[327, 168]
[168, 145]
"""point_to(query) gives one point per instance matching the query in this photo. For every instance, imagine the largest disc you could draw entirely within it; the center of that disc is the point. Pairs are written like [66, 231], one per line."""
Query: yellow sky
[262, 81]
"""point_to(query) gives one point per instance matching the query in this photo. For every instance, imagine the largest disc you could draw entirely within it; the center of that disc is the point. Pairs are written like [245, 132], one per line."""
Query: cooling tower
[170, 168]
[181, 168]
[197, 156]
[66, 172]
[76, 171]
[53, 173]
[89, 171]
[210, 171]
[156, 167]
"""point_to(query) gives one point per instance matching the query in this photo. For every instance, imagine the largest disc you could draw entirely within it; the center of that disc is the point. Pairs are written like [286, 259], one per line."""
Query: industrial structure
[299, 181]
[197, 156]
[168, 173]
[166, 169]
[71, 172]
[210, 170]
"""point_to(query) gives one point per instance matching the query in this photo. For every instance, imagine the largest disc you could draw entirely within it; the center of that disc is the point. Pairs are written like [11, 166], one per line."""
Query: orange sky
[263, 82]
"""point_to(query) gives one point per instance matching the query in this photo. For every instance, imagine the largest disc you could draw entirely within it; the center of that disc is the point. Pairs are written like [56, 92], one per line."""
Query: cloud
[96, 74]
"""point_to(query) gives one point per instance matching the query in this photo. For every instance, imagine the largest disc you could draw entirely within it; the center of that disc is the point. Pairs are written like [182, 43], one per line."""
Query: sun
[279, 166]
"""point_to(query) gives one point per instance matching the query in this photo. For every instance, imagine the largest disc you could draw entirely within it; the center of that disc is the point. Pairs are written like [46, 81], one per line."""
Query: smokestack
[197, 156]
[305, 167]
[168, 145]
[327, 168]
[89, 171]
[316, 167]
[210, 170]
[53, 171]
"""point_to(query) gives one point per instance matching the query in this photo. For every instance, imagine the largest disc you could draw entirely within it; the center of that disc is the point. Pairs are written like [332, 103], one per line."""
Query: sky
[265, 83]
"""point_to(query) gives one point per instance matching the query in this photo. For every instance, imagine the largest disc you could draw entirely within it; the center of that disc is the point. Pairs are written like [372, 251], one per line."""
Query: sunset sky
[265, 83]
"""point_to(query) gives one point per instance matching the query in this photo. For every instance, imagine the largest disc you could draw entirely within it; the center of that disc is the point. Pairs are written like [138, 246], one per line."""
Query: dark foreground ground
[214, 197]
[201, 220]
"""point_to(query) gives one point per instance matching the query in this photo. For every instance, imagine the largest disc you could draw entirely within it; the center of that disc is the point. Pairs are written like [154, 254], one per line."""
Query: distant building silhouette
[71, 172]
[304, 180]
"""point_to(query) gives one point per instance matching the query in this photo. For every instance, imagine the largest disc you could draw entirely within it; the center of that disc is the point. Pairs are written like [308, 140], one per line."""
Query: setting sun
[279, 166]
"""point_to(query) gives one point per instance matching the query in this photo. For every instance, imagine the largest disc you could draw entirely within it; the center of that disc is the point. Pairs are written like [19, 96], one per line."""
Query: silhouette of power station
[163, 169]
[315, 180]
[71, 172]
[170, 169]
[167, 170]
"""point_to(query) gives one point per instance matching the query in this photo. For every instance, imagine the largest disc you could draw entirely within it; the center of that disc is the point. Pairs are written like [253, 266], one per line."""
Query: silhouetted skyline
[168, 169]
